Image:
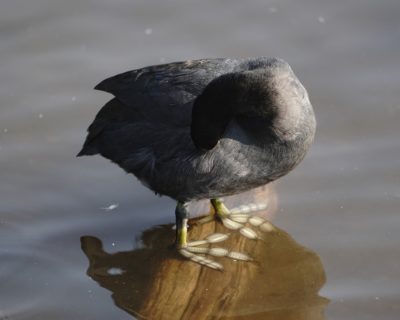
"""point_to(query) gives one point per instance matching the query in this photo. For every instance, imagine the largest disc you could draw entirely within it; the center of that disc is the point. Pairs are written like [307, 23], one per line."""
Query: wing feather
[175, 83]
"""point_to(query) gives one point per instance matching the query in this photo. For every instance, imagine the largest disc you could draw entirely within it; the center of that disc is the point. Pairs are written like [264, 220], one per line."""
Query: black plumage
[203, 129]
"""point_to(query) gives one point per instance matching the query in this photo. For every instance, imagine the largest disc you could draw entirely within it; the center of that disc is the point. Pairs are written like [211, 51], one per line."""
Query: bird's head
[265, 95]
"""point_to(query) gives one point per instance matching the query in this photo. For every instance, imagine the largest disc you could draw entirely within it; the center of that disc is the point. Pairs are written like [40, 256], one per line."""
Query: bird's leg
[191, 250]
[182, 216]
[236, 219]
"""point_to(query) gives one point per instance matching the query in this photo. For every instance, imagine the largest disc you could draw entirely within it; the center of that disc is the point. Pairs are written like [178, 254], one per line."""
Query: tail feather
[87, 151]
[113, 112]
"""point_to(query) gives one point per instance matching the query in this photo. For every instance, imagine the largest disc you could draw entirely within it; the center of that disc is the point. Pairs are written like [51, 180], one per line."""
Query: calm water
[341, 205]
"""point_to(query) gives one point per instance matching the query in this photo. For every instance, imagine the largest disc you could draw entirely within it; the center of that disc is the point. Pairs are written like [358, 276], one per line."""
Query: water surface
[341, 205]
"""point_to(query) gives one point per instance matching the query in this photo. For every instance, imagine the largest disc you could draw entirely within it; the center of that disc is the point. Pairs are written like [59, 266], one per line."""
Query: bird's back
[157, 94]
[160, 95]
[172, 84]
[151, 108]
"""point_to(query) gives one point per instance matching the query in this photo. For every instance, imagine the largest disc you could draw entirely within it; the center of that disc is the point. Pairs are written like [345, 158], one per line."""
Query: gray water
[342, 202]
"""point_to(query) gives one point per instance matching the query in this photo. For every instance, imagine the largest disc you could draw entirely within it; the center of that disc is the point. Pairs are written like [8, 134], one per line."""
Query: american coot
[204, 129]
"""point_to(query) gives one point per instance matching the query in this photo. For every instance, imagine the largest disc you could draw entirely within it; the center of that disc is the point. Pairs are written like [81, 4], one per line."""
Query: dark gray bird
[204, 129]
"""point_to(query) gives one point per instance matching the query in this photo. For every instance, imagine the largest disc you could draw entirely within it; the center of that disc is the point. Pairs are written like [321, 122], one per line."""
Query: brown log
[157, 283]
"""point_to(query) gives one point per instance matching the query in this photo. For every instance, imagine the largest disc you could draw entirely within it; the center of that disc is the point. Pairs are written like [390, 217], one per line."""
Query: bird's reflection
[152, 282]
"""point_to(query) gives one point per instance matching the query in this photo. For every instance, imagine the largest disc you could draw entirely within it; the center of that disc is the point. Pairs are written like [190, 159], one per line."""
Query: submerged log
[154, 282]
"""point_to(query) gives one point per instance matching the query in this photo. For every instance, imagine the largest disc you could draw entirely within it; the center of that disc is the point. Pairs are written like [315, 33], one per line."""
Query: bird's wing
[165, 85]
[158, 96]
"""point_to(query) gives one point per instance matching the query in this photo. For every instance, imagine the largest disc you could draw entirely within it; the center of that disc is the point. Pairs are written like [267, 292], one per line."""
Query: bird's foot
[195, 252]
[237, 218]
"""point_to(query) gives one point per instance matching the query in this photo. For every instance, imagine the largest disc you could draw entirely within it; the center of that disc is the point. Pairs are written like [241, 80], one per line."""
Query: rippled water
[340, 206]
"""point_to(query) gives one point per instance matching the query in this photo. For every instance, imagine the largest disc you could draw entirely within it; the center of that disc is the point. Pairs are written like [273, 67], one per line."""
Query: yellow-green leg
[219, 207]
[182, 216]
